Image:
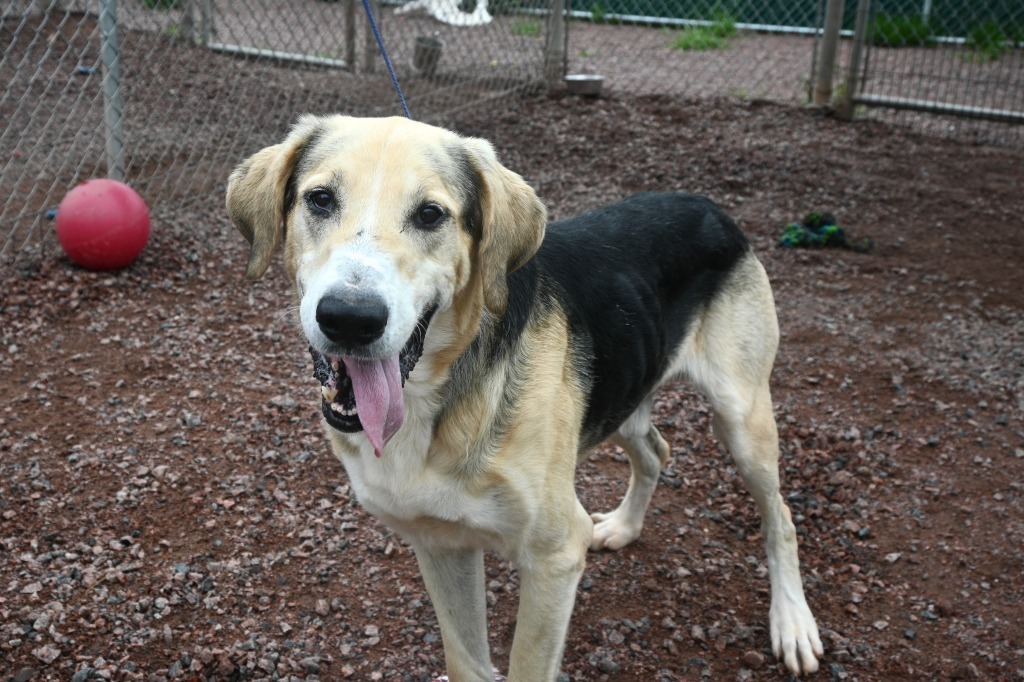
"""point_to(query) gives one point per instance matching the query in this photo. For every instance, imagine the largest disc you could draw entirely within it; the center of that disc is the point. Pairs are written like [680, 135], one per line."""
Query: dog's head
[384, 222]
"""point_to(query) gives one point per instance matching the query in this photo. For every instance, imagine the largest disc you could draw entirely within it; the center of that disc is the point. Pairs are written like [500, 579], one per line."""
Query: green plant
[724, 24]
[707, 37]
[1016, 35]
[159, 4]
[697, 38]
[987, 41]
[598, 12]
[898, 30]
[526, 28]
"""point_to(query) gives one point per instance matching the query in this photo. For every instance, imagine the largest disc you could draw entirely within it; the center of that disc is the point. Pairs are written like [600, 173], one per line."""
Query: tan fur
[468, 472]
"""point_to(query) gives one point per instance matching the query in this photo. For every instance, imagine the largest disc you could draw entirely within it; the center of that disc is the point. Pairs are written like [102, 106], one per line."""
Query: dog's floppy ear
[257, 194]
[513, 219]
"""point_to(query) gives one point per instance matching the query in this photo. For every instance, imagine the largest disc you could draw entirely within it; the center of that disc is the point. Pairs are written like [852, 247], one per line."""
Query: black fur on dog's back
[630, 279]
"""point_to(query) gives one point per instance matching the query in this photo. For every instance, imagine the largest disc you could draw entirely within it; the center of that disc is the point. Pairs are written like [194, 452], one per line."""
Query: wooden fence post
[554, 49]
[110, 57]
[829, 46]
[845, 106]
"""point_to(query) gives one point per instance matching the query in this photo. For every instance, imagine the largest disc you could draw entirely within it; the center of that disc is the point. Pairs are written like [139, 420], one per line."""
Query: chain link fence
[696, 48]
[170, 94]
[948, 67]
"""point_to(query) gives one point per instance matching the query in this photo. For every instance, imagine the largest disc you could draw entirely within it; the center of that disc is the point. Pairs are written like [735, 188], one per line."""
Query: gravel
[169, 509]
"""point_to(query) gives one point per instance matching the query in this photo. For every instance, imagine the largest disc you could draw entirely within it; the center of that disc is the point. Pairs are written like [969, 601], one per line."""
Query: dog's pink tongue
[377, 385]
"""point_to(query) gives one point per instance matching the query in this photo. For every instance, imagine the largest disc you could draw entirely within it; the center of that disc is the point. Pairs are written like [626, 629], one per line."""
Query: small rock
[607, 664]
[47, 654]
[753, 659]
[284, 402]
[322, 607]
[24, 675]
[311, 665]
[83, 675]
[838, 671]
[969, 672]
[41, 623]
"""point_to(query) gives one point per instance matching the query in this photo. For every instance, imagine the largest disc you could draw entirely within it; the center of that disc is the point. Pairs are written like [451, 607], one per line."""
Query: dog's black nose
[352, 321]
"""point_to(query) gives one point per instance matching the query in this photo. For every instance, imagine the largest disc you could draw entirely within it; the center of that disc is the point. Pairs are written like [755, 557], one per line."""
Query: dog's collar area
[338, 399]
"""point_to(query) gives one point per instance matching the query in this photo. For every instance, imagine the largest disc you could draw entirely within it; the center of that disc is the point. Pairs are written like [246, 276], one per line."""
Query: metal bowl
[585, 84]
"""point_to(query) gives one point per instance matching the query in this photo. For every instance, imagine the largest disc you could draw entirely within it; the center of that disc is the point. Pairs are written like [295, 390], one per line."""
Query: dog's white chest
[424, 505]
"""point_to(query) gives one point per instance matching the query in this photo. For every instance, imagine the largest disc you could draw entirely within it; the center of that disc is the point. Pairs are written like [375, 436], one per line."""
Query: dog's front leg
[547, 593]
[455, 581]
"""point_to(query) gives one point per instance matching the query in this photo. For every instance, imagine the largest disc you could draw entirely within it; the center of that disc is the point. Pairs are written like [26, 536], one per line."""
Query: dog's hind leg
[743, 333]
[455, 582]
[647, 452]
[751, 437]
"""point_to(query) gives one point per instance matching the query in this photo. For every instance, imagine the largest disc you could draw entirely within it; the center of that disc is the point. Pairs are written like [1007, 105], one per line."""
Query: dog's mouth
[360, 394]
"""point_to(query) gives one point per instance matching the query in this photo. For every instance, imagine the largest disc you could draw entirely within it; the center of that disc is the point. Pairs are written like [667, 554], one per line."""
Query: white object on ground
[448, 12]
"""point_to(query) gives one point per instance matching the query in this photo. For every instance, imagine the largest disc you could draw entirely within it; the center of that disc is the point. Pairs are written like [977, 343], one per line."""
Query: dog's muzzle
[360, 394]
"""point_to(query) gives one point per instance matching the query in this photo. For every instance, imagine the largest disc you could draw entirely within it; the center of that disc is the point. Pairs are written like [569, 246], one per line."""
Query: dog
[470, 355]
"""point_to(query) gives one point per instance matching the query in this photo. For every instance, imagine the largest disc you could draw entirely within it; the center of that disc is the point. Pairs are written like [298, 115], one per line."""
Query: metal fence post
[112, 103]
[206, 19]
[845, 107]
[554, 49]
[370, 49]
[829, 46]
[350, 35]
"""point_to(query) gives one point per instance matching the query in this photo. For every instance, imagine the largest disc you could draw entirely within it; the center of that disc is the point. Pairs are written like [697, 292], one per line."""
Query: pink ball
[102, 224]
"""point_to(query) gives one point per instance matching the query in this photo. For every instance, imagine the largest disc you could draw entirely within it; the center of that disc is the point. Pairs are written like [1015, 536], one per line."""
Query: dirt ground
[169, 508]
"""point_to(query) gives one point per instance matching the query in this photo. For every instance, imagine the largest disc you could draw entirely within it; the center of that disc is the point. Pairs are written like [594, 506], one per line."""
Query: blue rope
[384, 53]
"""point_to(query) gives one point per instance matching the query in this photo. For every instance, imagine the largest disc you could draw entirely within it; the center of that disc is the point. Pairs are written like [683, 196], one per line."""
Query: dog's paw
[613, 531]
[795, 638]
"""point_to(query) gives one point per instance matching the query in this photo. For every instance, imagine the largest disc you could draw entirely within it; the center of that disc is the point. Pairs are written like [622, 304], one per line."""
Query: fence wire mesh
[696, 48]
[204, 83]
[950, 67]
[201, 84]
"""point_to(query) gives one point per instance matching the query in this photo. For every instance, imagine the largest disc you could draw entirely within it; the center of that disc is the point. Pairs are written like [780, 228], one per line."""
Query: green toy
[820, 229]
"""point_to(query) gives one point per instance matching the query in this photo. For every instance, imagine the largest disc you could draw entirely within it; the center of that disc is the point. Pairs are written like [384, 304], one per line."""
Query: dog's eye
[320, 200]
[429, 215]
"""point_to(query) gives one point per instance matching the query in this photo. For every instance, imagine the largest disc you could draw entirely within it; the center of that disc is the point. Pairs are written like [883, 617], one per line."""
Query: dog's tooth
[328, 393]
[335, 365]
[344, 411]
